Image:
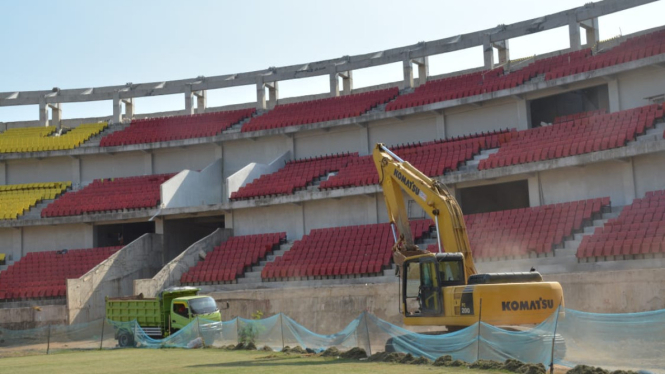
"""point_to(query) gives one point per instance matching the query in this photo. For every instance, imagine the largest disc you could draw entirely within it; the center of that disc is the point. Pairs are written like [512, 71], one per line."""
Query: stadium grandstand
[556, 160]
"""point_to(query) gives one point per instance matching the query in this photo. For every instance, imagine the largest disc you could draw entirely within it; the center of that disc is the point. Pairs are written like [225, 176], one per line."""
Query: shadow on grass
[261, 362]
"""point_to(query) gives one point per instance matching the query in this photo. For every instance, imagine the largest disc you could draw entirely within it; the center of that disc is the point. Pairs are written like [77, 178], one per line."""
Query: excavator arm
[397, 176]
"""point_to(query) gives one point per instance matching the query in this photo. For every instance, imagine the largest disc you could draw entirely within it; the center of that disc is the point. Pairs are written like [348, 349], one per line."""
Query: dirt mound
[239, 347]
[421, 361]
[624, 372]
[584, 369]
[512, 365]
[532, 369]
[251, 346]
[331, 352]
[486, 365]
[443, 360]
[407, 359]
[266, 349]
[229, 347]
[354, 354]
[297, 349]
[458, 363]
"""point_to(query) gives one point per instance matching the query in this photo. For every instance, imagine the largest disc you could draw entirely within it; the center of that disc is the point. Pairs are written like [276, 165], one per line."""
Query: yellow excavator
[444, 288]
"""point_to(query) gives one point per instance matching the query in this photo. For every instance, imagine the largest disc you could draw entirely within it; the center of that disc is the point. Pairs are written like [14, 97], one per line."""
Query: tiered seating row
[45, 274]
[37, 139]
[638, 230]
[161, 129]
[228, 261]
[105, 195]
[583, 135]
[339, 251]
[322, 110]
[16, 199]
[632, 49]
[519, 232]
[432, 158]
[295, 175]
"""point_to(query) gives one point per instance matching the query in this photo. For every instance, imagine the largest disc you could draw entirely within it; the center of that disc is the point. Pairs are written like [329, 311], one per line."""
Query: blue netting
[612, 341]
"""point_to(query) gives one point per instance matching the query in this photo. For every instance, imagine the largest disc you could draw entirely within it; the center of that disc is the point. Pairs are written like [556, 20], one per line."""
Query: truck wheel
[125, 339]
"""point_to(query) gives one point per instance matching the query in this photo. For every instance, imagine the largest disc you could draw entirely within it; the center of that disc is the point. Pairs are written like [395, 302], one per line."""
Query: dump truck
[172, 309]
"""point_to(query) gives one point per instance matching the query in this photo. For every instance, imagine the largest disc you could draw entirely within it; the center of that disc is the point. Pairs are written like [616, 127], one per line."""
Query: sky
[80, 44]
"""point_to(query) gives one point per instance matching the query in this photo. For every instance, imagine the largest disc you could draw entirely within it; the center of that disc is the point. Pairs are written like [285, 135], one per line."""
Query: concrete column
[260, 94]
[3, 173]
[347, 82]
[201, 101]
[614, 97]
[574, 31]
[423, 69]
[334, 82]
[504, 51]
[364, 148]
[290, 145]
[372, 211]
[523, 114]
[488, 53]
[273, 94]
[628, 176]
[3, 126]
[534, 190]
[43, 112]
[159, 225]
[129, 108]
[408, 73]
[17, 243]
[441, 125]
[89, 236]
[228, 219]
[56, 115]
[76, 170]
[117, 108]
[590, 26]
[189, 107]
[148, 164]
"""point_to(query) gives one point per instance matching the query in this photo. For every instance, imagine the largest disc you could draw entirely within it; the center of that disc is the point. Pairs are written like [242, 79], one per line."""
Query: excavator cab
[423, 279]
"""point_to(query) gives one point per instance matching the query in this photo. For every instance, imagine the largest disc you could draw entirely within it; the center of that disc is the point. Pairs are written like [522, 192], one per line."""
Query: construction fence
[634, 341]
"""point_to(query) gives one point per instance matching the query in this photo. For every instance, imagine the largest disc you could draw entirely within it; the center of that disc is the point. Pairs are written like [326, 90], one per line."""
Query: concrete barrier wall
[252, 171]
[329, 309]
[193, 188]
[32, 317]
[114, 277]
[171, 273]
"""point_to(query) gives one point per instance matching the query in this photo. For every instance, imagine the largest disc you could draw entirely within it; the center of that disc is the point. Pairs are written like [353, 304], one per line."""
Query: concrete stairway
[238, 126]
[472, 165]
[653, 134]
[94, 141]
[36, 211]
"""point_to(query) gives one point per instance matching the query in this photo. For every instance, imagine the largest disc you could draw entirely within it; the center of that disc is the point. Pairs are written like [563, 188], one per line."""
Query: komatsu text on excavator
[444, 289]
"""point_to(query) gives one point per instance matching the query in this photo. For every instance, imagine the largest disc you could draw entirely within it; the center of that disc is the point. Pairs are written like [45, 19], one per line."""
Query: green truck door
[179, 315]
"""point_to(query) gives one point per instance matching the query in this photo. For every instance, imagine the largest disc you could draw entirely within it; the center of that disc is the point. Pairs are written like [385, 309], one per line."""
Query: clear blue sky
[77, 44]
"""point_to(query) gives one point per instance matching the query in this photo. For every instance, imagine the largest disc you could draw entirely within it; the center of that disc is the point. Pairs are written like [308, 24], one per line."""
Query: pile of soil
[297, 349]
[331, 352]
[386, 357]
[486, 365]
[421, 361]
[447, 360]
[584, 369]
[354, 354]
[266, 349]
[407, 359]
[243, 347]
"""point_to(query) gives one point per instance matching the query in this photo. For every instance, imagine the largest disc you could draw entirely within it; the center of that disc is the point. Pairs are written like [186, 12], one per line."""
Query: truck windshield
[203, 305]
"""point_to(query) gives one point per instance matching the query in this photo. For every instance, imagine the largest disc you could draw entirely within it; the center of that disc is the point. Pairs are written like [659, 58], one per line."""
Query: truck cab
[185, 309]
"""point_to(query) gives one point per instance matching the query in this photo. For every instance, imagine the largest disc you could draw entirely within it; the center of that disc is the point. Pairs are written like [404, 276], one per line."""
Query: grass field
[181, 361]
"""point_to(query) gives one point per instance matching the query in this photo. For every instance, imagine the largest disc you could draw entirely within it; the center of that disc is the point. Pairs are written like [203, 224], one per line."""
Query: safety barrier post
[556, 322]
[369, 342]
[101, 340]
[238, 329]
[281, 327]
[48, 339]
[480, 313]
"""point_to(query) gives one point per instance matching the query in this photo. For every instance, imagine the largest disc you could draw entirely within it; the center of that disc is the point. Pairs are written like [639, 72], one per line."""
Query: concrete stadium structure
[196, 211]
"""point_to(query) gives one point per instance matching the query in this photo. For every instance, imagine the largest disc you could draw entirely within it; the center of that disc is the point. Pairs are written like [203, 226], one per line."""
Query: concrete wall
[421, 128]
[468, 120]
[114, 166]
[32, 317]
[625, 291]
[591, 181]
[173, 160]
[11, 243]
[114, 277]
[649, 174]
[252, 171]
[170, 274]
[52, 238]
[635, 85]
[329, 309]
[356, 210]
[35, 171]
[193, 188]
[237, 154]
[276, 218]
[317, 143]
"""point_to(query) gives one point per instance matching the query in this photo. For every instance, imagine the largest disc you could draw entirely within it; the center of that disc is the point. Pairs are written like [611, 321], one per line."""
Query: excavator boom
[397, 176]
